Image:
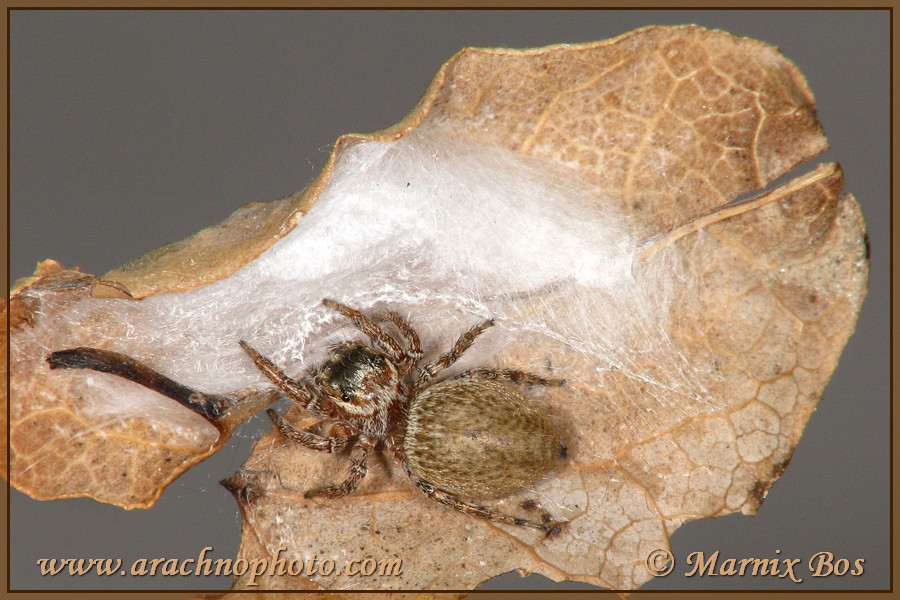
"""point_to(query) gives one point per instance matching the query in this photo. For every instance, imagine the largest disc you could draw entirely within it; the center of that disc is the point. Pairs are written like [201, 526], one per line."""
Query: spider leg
[294, 389]
[448, 358]
[409, 334]
[378, 336]
[448, 499]
[334, 443]
[358, 455]
[414, 345]
[513, 375]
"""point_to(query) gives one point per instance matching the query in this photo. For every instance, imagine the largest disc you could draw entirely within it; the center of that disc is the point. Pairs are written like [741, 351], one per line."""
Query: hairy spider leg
[450, 357]
[409, 334]
[379, 337]
[395, 446]
[513, 375]
[334, 443]
[361, 449]
[299, 392]
[448, 499]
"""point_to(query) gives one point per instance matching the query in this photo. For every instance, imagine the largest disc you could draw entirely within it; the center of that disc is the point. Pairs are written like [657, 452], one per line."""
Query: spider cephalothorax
[469, 437]
[363, 385]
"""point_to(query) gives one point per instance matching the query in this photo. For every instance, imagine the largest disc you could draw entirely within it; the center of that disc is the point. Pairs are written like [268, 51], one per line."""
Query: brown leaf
[692, 412]
[775, 287]
[61, 446]
[333, 596]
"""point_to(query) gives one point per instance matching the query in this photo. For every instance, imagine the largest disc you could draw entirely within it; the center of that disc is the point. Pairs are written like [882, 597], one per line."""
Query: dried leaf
[62, 446]
[776, 273]
[696, 416]
[333, 596]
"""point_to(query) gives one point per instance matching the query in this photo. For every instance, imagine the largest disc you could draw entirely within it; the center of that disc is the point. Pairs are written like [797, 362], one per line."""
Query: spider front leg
[295, 390]
[413, 354]
[378, 336]
[361, 449]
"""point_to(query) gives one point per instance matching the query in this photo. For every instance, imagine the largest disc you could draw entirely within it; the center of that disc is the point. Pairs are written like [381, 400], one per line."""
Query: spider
[466, 438]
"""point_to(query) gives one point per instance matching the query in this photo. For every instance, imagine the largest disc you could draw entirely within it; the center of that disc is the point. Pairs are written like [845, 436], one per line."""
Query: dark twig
[208, 406]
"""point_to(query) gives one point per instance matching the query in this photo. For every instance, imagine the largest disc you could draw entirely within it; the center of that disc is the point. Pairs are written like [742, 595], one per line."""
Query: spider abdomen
[478, 439]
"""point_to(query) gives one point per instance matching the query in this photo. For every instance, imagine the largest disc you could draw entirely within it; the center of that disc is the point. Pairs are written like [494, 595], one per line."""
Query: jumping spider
[467, 437]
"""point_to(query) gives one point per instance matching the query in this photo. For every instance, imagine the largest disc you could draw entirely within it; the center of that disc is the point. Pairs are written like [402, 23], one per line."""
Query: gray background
[133, 129]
